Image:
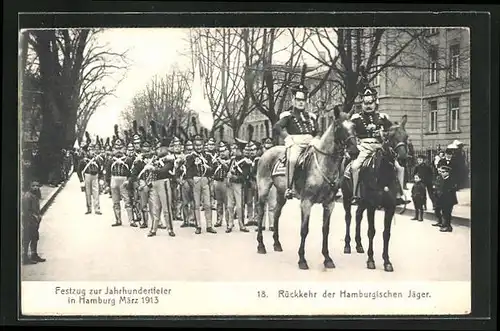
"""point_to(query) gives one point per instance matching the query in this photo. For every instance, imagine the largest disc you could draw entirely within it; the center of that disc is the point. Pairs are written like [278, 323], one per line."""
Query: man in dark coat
[446, 198]
[31, 218]
[424, 171]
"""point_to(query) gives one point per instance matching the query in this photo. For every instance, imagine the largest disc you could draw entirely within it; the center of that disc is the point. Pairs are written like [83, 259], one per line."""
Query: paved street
[82, 247]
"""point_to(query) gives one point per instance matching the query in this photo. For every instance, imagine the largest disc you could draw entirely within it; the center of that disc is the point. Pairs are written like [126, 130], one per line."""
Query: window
[221, 132]
[433, 112]
[376, 80]
[262, 132]
[455, 61]
[454, 111]
[433, 58]
[323, 124]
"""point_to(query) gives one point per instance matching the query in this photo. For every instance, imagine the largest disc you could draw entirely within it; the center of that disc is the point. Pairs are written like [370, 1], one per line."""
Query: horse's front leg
[388, 215]
[327, 213]
[305, 207]
[280, 202]
[370, 213]
[359, 217]
[347, 208]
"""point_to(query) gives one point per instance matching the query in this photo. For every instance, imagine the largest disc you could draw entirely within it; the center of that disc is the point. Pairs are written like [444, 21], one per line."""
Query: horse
[318, 182]
[378, 188]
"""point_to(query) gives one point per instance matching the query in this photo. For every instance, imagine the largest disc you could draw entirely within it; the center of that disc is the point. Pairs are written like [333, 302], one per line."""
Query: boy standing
[446, 198]
[419, 198]
[31, 218]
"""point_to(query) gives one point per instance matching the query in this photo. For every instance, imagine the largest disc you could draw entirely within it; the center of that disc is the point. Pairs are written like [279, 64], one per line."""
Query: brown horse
[317, 182]
[378, 188]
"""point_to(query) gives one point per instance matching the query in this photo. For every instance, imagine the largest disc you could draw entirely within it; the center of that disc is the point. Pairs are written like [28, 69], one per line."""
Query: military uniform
[89, 171]
[143, 178]
[161, 193]
[118, 172]
[251, 185]
[186, 173]
[298, 127]
[200, 165]
[238, 173]
[175, 182]
[368, 126]
[221, 170]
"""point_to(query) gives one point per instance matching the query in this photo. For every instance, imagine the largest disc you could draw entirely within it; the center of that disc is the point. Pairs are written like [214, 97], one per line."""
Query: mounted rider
[298, 128]
[370, 126]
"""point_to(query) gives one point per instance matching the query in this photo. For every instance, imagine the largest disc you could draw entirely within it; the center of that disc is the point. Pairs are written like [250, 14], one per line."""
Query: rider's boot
[355, 181]
[290, 169]
[401, 197]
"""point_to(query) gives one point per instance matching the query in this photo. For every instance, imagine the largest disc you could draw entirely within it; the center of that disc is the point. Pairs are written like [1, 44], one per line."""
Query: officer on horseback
[297, 127]
[370, 126]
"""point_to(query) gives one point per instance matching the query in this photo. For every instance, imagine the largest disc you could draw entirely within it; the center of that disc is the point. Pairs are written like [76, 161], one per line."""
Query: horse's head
[397, 140]
[344, 134]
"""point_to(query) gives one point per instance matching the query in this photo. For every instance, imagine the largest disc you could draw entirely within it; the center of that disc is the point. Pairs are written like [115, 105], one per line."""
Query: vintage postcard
[245, 171]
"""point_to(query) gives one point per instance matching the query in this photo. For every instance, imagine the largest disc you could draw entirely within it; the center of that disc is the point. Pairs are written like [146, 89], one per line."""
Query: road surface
[82, 247]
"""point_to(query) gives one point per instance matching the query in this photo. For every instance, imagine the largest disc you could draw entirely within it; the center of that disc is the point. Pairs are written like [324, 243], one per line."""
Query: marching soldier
[250, 184]
[298, 128]
[186, 174]
[89, 171]
[238, 172]
[211, 152]
[118, 173]
[161, 189]
[176, 190]
[200, 166]
[139, 176]
[221, 170]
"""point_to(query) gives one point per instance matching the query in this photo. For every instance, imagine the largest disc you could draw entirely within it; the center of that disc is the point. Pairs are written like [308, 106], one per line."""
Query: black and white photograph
[245, 171]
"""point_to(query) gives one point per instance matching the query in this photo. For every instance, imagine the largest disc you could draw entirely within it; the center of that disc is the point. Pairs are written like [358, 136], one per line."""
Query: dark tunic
[419, 194]
[116, 168]
[367, 124]
[166, 167]
[221, 169]
[445, 192]
[94, 167]
[296, 124]
[239, 169]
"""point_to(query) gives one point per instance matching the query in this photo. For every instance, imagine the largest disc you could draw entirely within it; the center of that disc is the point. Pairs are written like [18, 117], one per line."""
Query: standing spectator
[410, 163]
[449, 162]
[439, 156]
[460, 163]
[425, 173]
[419, 198]
[446, 198]
[31, 218]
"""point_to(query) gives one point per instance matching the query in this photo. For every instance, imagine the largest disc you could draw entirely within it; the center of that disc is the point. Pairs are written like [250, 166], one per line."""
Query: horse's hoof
[303, 265]
[388, 267]
[261, 250]
[329, 264]
[360, 249]
[370, 265]
[278, 248]
[347, 250]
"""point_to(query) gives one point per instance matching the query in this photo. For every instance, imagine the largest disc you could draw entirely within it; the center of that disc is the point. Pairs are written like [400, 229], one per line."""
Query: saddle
[280, 167]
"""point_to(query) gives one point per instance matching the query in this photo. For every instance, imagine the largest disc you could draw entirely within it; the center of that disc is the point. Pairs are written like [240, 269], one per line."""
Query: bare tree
[221, 56]
[103, 71]
[162, 100]
[65, 63]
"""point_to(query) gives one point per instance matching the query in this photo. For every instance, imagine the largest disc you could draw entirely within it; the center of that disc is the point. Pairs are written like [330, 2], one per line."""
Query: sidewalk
[49, 194]
[461, 211]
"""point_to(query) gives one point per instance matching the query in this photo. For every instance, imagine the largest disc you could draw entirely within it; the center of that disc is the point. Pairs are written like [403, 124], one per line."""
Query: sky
[151, 51]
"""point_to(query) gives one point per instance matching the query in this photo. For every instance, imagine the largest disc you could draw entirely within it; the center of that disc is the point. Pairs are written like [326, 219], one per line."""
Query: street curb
[49, 201]
[430, 216]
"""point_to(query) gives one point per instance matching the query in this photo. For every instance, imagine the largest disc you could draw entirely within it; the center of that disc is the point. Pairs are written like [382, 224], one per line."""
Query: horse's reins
[343, 146]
